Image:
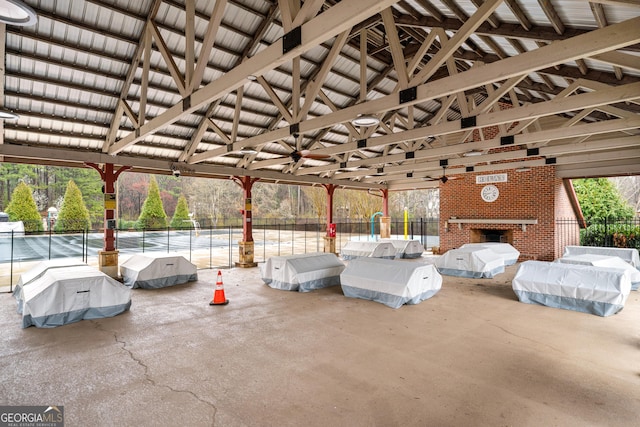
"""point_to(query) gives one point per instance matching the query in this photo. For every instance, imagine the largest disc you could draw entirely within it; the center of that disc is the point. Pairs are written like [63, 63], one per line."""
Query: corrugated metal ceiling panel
[68, 71]
[575, 13]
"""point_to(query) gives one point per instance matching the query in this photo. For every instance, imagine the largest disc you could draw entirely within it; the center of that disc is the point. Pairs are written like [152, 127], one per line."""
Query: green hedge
[613, 235]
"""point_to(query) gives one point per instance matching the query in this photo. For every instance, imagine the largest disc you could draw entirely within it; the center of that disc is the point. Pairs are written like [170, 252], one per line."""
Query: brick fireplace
[484, 235]
[523, 214]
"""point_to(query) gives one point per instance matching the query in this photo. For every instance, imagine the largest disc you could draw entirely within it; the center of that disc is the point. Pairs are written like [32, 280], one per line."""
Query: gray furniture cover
[37, 271]
[595, 290]
[66, 295]
[157, 270]
[356, 249]
[392, 283]
[629, 255]
[472, 262]
[303, 273]
[508, 253]
[406, 248]
[605, 261]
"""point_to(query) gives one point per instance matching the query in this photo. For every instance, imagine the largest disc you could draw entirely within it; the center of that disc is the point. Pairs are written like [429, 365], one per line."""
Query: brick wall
[535, 194]
[567, 230]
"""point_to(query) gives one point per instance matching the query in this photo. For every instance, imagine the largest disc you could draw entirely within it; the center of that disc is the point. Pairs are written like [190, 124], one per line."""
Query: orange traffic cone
[218, 295]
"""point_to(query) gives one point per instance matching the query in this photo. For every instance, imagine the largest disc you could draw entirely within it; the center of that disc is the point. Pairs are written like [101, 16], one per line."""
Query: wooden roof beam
[326, 25]
[594, 42]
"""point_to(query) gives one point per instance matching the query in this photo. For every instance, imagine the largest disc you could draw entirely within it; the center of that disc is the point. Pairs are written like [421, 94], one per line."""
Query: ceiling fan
[296, 155]
[444, 178]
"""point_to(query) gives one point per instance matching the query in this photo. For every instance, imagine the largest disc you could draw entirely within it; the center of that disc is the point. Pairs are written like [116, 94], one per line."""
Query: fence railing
[206, 246]
[209, 246]
[621, 233]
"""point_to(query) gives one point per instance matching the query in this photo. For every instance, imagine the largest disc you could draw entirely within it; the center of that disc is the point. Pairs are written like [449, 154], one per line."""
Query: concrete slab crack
[150, 380]
[528, 339]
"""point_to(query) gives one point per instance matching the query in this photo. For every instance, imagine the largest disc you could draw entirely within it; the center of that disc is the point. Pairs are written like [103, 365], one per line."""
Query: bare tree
[629, 188]
[318, 199]
[214, 199]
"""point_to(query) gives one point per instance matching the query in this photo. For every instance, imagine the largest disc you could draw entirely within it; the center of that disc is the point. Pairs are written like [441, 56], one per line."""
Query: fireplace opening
[483, 235]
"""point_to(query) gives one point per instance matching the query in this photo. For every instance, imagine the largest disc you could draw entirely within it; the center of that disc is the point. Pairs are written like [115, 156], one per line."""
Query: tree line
[143, 200]
[154, 201]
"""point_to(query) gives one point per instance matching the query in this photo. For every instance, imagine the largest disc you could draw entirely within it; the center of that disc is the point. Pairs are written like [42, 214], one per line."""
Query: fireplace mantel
[522, 222]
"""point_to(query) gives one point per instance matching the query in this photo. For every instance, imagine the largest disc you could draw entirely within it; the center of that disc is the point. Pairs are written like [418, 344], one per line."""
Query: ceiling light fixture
[15, 12]
[365, 120]
[248, 150]
[472, 153]
[8, 115]
[252, 78]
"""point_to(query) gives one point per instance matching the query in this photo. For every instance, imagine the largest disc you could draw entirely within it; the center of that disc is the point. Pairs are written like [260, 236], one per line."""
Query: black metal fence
[620, 233]
[212, 246]
[208, 247]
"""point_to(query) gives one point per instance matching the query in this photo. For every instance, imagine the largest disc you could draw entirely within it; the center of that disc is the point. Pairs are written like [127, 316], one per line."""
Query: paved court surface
[470, 356]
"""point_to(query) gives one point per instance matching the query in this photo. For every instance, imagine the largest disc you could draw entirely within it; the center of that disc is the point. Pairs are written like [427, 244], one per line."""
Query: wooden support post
[385, 220]
[330, 236]
[246, 246]
[108, 256]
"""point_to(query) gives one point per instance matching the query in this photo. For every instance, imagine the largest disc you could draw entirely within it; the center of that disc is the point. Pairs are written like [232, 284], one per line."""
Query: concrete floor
[470, 356]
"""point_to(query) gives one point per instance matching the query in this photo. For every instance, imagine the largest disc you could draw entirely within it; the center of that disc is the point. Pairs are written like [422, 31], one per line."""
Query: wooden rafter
[454, 43]
[532, 111]
[207, 46]
[178, 79]
[199, 124]
[326, 25]
[396, 48]
[595, 42]
[131, 72]
[314, 87]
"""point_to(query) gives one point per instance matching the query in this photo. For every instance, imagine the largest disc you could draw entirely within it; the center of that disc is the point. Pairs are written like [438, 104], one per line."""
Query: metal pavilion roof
[193, 84]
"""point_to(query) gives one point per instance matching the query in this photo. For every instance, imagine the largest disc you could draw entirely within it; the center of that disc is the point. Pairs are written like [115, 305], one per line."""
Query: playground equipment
[372, 222]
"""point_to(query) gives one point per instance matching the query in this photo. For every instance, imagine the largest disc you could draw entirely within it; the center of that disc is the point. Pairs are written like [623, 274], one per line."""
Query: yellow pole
[406, 223]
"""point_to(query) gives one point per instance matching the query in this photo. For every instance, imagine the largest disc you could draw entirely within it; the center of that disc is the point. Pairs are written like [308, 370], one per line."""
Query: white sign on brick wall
[496, 177]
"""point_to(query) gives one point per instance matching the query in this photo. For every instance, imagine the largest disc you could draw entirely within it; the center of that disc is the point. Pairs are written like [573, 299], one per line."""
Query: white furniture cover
[157, 270]
[355, 249]
[505, 250]
[17, 227]
[605, 261]
[37, 271]
[406, 248]
[302, 273]
[392, 283]
[470, 262]
[629, 255]
[67, 295]
[596, 290]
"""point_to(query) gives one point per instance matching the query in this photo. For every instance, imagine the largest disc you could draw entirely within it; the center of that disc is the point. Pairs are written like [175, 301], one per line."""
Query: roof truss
[197, 83]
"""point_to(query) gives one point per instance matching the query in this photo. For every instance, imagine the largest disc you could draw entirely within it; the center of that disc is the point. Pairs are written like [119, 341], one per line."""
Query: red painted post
[385, 220]
[330, 190]
[385, 201]
[108, 258]
[109, 214]
[246, 182]
[330, 236]
[246, 245]
[109, 177]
